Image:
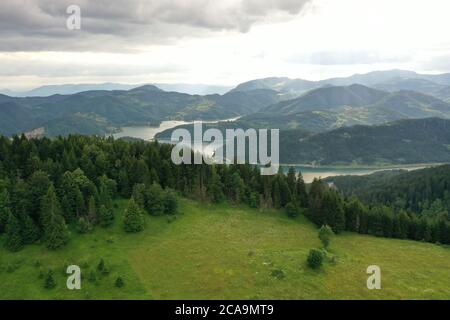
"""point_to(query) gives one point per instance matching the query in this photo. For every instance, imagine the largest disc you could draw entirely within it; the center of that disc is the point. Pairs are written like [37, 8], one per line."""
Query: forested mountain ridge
[105, 111]
[400, 142]
[425, 191]
[334, 107]
[385, 80]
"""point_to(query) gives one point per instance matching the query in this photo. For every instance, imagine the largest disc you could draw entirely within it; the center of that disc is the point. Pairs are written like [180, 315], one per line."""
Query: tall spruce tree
[14, 240]
[105, 216]
[56, 233]
[5, 209]
[134, 218]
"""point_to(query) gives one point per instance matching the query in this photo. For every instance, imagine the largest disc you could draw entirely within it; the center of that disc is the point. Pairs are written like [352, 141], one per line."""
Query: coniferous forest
[48, 185]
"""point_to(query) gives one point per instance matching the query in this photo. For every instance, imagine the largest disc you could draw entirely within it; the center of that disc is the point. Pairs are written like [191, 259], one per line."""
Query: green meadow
[225, 252]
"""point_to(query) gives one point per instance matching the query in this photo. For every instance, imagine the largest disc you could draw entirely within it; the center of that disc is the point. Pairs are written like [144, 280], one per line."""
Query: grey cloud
[29, 25]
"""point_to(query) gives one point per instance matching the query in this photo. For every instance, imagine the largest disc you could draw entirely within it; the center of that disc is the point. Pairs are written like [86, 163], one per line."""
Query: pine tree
[353, 210]
[215, 187]
[5, 209]
[92, 211]
[14, 240]
[276, 194]
[292, 210]
[119, 282]
[30, 232]
[134, 218]
[105, 216]
[38, 185]
[139, 194]
[49, 281]
[325, 234]
[154, 200]
[292, 181]
[238, 187]
[56, 233]
[170, 202]
[301, 194]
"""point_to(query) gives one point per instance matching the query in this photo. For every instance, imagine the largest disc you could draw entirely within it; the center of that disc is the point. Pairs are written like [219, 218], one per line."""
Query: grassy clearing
[221, 252]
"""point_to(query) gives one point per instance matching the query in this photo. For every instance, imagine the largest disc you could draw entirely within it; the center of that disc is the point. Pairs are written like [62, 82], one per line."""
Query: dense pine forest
[51, 189]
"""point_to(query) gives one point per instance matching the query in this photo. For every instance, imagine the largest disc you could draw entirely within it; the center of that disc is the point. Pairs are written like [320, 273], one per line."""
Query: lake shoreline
[365, 167]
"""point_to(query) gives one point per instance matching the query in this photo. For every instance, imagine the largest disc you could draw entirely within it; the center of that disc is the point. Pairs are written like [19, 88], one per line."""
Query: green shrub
[279, 274]
[315, 258]
[325, 234]
[49, 281]
[119, 282]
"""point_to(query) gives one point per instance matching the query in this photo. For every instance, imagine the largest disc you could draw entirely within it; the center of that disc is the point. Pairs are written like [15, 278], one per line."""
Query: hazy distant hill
[333, 107]
[390, 80]
[418, 85]
[65, 89]
[102, 111]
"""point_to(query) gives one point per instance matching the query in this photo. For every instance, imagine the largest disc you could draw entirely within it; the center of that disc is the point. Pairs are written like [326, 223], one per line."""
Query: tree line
[51, 186]
[328, 207]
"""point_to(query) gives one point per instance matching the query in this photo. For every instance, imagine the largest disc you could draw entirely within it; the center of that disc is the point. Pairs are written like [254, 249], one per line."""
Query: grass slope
[221, 252]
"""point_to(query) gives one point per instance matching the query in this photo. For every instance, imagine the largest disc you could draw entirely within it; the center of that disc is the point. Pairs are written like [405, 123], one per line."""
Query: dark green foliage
[353, 211]
[105, 216]
[92, 277]
[325, 235]
[170, 202]
[86, 173]
[292, 210]
[83, 225]
[5, 209]
[315, 259]
[215, 187]
[279, 274]
[139, 194]
[134, 218]
[14, 240]
[92, 211]
[369, 145]
[102, 268]
[154, 200]
[49, 281]
[326, 207]
[30, 232]
[119, 282]
[56, 233]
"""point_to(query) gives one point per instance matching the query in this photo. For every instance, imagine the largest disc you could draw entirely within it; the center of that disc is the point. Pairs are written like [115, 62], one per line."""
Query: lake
[148, 133]
[308, 172]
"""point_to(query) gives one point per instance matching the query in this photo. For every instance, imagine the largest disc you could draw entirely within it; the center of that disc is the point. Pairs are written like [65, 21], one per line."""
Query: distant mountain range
[65, 89]
[313, 106]
[100, 112]
[391, 80]
[329, 108]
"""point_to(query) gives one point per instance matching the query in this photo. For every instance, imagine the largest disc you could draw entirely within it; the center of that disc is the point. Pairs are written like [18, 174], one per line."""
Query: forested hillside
[330, 108]
[101, 112]
[48, 187]
[425, 191]
[401, 142]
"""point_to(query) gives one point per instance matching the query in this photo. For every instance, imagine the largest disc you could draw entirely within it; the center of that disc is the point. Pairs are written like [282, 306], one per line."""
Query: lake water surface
[308, 172]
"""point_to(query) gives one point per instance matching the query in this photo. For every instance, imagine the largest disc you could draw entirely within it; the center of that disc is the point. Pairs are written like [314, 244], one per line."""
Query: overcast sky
[217, 41]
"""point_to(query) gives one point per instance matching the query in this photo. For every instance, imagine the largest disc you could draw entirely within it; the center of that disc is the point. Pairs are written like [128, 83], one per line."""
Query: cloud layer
[113, 25]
